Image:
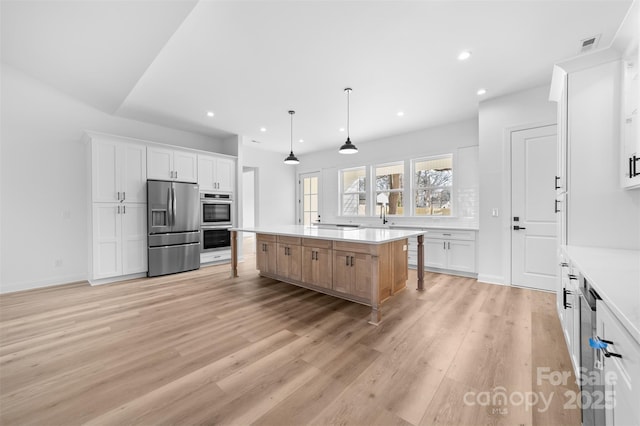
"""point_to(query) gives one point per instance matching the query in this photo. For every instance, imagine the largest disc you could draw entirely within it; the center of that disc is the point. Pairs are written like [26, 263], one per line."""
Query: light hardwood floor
[202, 348]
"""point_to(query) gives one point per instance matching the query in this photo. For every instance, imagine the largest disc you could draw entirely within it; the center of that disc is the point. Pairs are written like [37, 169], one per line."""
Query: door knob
[518, 228]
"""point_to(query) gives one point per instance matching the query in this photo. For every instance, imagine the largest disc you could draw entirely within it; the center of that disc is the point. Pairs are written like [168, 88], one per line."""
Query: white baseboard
[491, 279]
[31, 285]
[116, 279]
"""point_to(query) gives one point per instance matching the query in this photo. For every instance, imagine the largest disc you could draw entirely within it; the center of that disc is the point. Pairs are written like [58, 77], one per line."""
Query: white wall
[459, 138]
[275, 188]
[248, 198]
[496, 117]
[601, 213]
[44, 177]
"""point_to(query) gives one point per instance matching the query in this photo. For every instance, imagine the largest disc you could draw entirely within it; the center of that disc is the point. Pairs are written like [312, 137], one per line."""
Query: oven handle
[203, 201]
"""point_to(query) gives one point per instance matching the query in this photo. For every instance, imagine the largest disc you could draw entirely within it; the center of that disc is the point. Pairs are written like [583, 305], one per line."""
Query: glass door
[309, 201]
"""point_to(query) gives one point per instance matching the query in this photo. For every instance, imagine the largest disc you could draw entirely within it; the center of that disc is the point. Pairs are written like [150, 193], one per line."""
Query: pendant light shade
[348, 147]
[291, 159]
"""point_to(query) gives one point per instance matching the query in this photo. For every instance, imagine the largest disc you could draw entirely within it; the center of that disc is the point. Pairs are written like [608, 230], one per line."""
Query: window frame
[409, 190]
[415, 189]
[401, 191]
[365, 192]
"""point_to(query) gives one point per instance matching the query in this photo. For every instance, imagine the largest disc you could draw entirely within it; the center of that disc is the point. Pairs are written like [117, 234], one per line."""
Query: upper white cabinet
[119, 170]
[172, 164]
[216, 173]
[630, 136]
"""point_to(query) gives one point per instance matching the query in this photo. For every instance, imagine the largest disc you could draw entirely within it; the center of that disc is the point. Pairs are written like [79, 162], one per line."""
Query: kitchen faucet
[383, 213]
[383, 200]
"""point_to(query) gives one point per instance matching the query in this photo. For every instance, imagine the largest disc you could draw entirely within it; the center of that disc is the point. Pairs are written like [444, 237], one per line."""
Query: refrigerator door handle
[169, 204]
[174, 206]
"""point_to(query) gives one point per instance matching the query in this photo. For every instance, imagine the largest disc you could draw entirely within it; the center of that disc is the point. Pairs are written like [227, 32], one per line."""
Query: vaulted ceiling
[249, 62]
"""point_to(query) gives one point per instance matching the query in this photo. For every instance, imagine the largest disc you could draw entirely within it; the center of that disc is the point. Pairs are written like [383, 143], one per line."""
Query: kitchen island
[363, 265]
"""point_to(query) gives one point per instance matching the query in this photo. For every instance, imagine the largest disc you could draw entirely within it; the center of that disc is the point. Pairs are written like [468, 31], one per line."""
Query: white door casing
[533, 245]
[309, 198]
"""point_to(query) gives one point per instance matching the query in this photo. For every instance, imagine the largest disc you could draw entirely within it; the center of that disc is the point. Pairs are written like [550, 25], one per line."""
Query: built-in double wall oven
[216, 217]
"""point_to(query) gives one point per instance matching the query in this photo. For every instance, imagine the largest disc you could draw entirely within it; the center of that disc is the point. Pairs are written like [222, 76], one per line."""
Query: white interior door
[309, 201]
[533, 224]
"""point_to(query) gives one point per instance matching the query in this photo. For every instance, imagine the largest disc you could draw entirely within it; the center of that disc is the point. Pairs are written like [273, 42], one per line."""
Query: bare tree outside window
[354, 191]
[433, 186]
[390, 182]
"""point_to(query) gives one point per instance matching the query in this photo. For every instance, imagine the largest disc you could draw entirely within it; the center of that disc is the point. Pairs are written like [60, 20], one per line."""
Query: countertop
[354, 235]
[615, 275]
[401, 226]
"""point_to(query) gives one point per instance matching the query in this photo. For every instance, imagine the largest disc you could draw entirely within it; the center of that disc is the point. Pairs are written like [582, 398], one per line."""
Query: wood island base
[368, 273]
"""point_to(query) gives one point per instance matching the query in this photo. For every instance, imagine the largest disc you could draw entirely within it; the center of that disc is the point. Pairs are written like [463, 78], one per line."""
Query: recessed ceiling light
[210, 114]
[464, 55]
[481, 92]
[341, 129]
[263, 129]
[301, 140]
[400, 113]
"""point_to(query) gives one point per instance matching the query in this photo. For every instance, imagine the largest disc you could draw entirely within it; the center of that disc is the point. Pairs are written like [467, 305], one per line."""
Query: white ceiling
[169, 62]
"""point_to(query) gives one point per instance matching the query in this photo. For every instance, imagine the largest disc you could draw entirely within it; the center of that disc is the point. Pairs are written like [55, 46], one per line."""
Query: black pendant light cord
[348, 109]
[291, 144]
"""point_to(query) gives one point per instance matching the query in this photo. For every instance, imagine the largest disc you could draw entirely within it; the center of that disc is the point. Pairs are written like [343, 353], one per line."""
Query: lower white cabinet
[448, 250]
[450, 254]
[621, 369]
[119, 239]
[569, 305]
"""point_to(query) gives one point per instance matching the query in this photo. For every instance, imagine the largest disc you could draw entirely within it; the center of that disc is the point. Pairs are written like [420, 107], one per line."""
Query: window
[389, 187]
[433, 186]
[354, 191]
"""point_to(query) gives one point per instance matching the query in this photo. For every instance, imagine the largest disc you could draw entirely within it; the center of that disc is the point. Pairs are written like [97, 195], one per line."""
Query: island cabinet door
[316, 266]
[289, 262]
[352, 273]
[266, 252]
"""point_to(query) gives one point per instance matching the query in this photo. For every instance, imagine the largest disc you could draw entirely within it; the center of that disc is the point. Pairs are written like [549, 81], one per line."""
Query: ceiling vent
[589, 44]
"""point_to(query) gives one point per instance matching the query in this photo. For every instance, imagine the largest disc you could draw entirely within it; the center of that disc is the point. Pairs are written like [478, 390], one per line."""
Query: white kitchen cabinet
[569, 311]
[119, 239]
[435, 253]
[172, 164]
[621, 369]
[118, 170]
[216, 173]
[451, 250]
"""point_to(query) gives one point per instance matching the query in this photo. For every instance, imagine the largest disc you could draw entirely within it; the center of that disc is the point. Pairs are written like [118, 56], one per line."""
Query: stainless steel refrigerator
[174, 227]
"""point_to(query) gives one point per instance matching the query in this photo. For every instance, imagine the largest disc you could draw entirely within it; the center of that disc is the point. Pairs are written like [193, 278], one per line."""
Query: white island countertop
[354, 235]
[615, 275]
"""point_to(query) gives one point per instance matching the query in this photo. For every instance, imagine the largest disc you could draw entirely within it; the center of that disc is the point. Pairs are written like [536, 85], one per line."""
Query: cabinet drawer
[266, 238]
[451, 235]
[316, 243]
[294, 241]
[355, 247]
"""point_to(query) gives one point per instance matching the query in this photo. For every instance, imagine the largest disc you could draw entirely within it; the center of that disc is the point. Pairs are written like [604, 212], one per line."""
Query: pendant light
[348, 147]
[291, 159]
